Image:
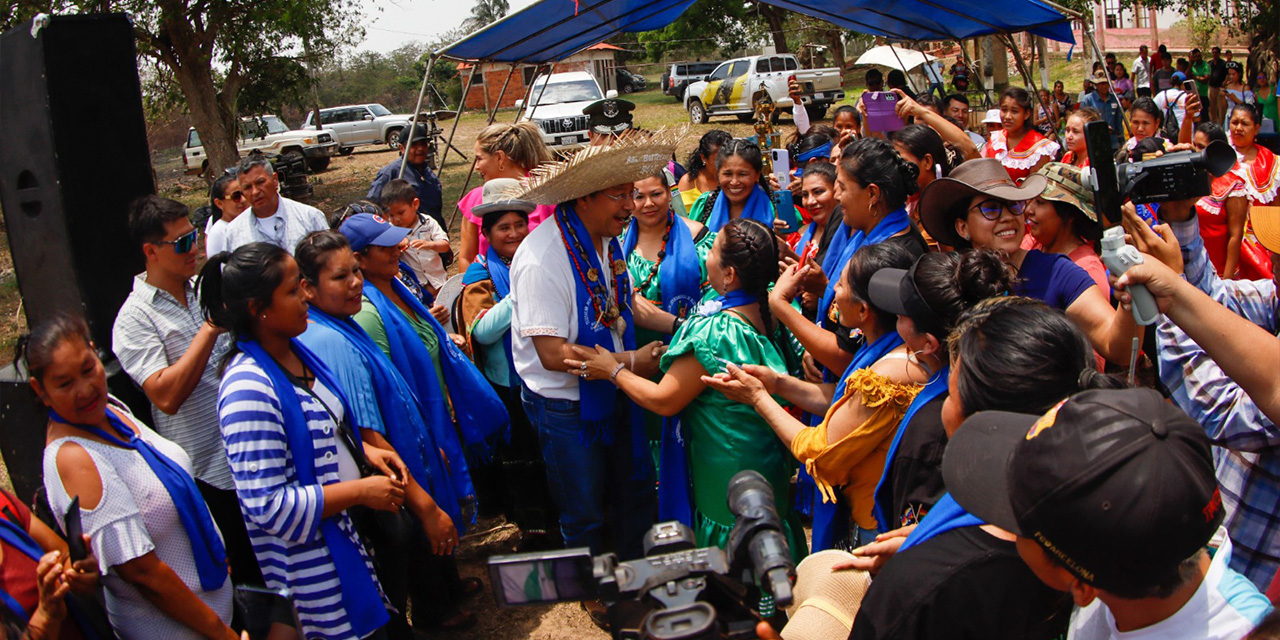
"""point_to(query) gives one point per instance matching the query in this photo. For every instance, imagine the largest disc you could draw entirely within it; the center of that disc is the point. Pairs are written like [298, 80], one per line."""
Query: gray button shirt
[152, 331]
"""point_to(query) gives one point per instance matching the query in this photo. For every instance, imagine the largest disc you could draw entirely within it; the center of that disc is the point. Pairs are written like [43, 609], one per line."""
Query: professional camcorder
[1181, 175]
[677, 591]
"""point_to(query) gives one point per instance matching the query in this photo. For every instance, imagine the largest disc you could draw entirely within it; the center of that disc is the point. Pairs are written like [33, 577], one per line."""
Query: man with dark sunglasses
[165, 345]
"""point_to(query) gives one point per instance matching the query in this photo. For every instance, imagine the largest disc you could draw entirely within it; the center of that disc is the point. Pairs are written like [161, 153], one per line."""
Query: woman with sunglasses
[228, 201]
[979, 206]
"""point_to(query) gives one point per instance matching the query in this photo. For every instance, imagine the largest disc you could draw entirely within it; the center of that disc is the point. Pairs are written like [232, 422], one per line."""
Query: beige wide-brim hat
[1266, 226]
[636, 156]
[826, 601]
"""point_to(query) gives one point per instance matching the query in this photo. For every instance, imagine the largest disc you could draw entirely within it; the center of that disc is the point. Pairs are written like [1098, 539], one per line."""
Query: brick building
[598, 60]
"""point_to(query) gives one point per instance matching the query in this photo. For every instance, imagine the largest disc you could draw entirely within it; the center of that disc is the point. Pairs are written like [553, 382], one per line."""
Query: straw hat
[826, 601]
[634, 157]
[491, 198]
[1266, 226]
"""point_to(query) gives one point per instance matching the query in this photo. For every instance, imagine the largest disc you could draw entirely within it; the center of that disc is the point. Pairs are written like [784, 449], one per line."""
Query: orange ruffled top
[855, 462]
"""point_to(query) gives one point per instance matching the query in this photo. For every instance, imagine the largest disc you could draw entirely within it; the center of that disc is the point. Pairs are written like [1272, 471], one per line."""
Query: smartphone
[781, 159]
[278, 599]
[784, 209]
[882, 111]
[75, 531]
[1189, 86]
[543, 577]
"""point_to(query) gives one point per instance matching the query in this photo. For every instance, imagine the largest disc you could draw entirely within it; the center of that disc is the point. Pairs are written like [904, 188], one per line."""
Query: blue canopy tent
[551, 30]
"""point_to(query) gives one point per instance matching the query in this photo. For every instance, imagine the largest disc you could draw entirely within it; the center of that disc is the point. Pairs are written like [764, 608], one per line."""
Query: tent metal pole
[1093, 43]
[472, 169]
[413, 122]
[903, 66]
[462, 102]
[982, 80]
[550, 71]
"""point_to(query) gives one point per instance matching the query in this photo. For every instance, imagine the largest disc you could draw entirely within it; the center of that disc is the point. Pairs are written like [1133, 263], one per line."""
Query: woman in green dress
[719, 437]
[667, 258]
[741, 194]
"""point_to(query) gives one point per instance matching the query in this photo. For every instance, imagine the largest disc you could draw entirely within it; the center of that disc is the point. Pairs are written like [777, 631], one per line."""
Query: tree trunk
[217, 127]
[835, 44]
[774, 17]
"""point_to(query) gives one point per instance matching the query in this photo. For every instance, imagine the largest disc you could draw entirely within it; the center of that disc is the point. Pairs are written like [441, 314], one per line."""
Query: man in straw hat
[571, 291]
[1203, 389]
[1106, 104]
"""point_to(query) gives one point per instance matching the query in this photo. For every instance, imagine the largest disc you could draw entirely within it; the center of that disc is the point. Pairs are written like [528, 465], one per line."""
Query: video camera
[1180, 175]
[677, 591]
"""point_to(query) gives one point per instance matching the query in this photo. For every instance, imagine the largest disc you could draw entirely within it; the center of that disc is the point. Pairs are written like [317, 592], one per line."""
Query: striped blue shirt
[281, 515]
[1247, 455]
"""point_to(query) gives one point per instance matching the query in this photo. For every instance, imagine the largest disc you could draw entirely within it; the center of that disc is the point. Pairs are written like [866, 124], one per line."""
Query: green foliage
[483, 13]
[1202, 27]
[709, 27]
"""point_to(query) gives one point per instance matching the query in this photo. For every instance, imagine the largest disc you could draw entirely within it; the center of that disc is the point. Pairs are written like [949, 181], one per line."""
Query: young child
[428, 251]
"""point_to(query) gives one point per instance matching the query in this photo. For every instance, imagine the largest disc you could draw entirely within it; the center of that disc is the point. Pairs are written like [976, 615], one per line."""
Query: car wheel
[816, 113]
[319, 164]
[626, 88]
[293, 156]
[697, 113]
[346, 151]
[393, 139]
[746, 118]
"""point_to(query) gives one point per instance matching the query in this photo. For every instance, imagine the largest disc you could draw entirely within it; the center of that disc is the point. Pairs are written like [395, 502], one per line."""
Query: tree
[213, 49]
[484, 13]
[708, 27]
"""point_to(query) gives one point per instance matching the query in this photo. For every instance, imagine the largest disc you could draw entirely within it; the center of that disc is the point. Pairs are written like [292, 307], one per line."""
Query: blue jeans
[589, 480]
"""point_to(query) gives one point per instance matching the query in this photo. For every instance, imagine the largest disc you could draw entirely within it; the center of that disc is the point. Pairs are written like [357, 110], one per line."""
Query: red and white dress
[1211, 211]
[1261, 182]
[1023, 158]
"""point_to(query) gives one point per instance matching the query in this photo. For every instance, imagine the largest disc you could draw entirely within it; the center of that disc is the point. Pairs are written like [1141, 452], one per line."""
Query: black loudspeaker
[73, 155]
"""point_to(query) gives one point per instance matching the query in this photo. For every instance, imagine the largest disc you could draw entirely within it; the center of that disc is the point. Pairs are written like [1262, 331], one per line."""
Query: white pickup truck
[728, 90]
[268, 134]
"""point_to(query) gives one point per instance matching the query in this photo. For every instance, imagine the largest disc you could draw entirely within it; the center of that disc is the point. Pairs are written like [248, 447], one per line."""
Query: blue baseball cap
[365, 229]
[1179, 76]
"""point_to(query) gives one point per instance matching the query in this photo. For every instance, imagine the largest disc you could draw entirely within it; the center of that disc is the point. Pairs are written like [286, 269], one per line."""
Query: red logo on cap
[1045, 421]
[1215, 503]
[378, 219]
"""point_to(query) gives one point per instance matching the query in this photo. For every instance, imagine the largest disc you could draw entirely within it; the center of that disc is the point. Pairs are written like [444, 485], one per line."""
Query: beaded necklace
[607, 311]
[662, 254]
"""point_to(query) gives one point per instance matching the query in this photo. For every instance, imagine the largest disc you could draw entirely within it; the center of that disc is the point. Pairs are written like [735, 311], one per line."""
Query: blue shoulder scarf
[418, 431]
[679, 269]
[361, 596]
[597, 313]
[831, 519]
[480, 412]
[492, 267]
[758, 207]
[946, 515]
[936, 386]
[844, 245]
[206, 543]
[674, 484]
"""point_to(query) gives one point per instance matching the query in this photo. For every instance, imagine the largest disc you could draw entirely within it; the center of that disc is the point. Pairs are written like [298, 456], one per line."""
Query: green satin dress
[725, 437]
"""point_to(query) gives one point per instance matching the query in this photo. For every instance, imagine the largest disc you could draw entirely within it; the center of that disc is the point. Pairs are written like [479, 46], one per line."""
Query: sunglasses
[235, 196]
[992, 209]
[184, 244]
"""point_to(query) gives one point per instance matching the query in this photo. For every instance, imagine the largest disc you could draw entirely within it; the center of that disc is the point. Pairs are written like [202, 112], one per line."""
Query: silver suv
[360, 124]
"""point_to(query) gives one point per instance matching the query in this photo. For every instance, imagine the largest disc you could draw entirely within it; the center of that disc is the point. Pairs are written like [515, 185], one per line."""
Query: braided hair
[750, 249]
[708, 146]
[873, 161]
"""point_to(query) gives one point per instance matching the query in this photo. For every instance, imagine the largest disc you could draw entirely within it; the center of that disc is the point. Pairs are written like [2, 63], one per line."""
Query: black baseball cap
[895, 291]
[1116, 485]
[410, 135]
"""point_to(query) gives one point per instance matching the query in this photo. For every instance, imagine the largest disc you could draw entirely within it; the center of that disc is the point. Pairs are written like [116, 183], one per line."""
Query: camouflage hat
[1065, 185]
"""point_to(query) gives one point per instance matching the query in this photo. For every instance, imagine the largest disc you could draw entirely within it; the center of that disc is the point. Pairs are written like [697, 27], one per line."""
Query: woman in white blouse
[161, 556]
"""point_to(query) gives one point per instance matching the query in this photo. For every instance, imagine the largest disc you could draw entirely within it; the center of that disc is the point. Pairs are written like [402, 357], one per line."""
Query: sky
[390, 24]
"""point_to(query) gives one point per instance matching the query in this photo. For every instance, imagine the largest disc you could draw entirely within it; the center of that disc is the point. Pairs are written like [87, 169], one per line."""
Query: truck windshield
[379, 110]
[274, 124]
[573, 91]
